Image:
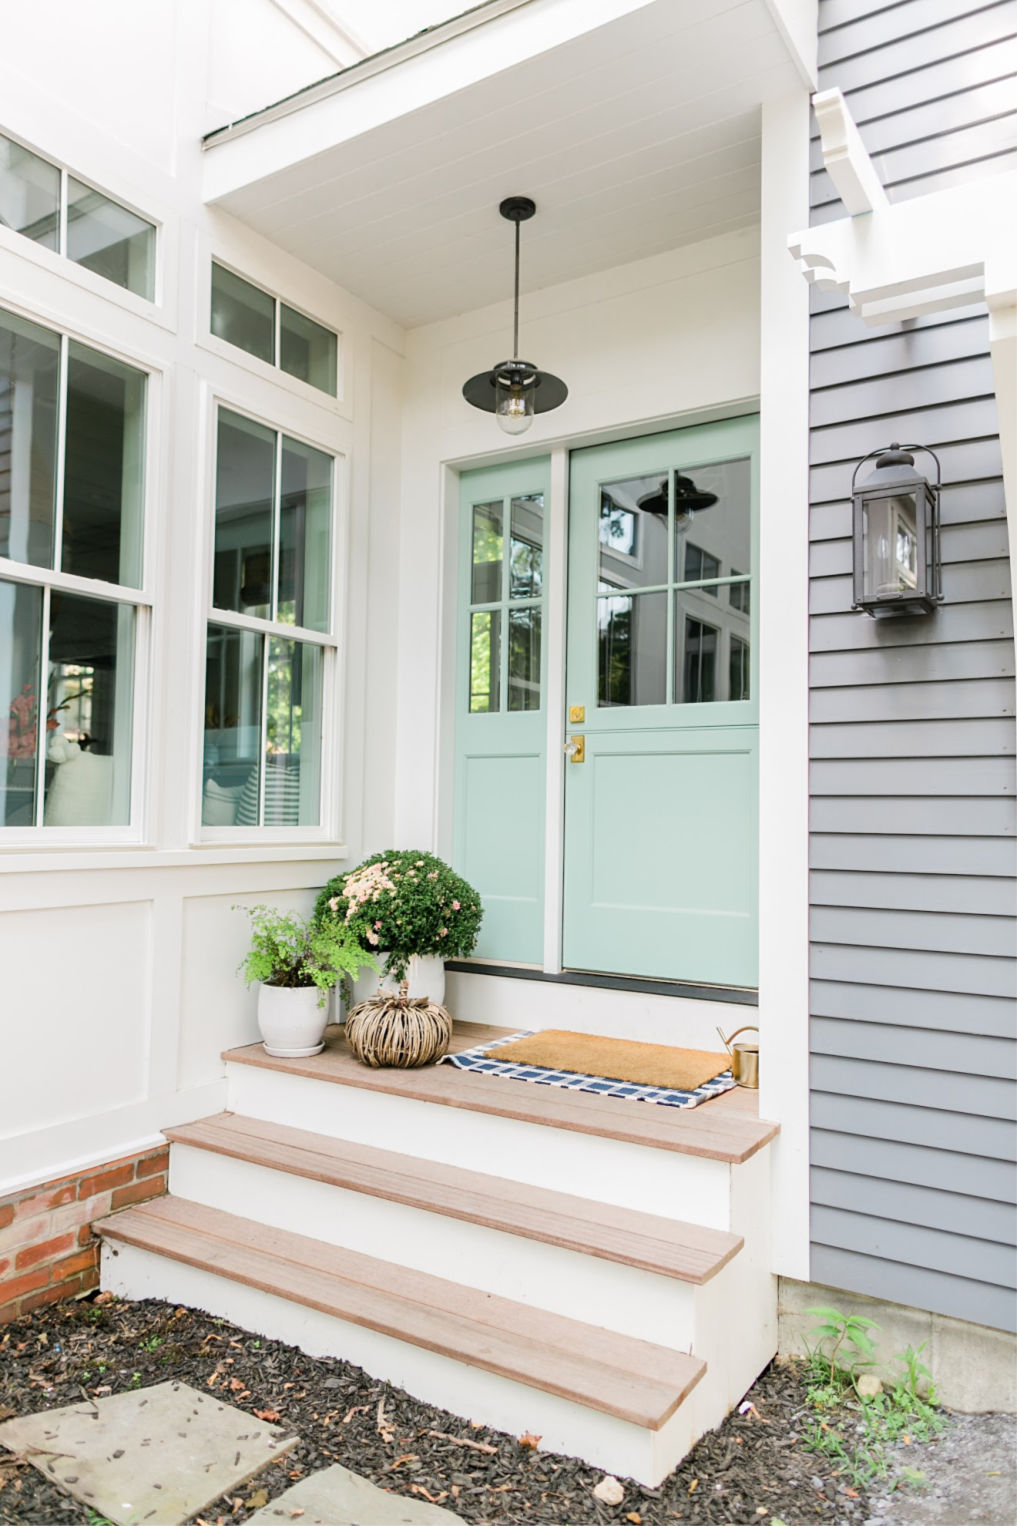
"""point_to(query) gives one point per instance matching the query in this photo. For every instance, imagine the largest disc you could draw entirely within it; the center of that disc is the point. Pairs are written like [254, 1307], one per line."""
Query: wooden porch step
[633, 1380]
[726, 1128]
[669, 1247]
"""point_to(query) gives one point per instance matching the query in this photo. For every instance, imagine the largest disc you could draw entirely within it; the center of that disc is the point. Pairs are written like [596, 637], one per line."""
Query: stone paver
[153, 1457]
[337, 1497]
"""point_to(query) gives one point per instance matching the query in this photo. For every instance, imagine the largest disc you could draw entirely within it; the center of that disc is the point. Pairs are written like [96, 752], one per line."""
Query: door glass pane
[739, 595]
[485, 660]
[633, 532]
[293, 735]
[243, 315]
[526, 553]
[20, 641]
[244, 496]
[104, 472]
[632, 649]
[305, 531]
[488, 546]
[695, 661]
[232, 758]
[29, 390]
[91, 678]
[713, 525]
[29, 194]
[107, 238]
[307, 350]
[524, 659]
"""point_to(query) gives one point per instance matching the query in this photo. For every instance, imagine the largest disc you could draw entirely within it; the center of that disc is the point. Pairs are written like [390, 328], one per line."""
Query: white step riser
[577, 1286]
[662, 1182]
[613, 1445]
[516, 1004]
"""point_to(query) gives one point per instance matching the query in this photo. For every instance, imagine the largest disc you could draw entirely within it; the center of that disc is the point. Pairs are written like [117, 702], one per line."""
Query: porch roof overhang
[634, 124]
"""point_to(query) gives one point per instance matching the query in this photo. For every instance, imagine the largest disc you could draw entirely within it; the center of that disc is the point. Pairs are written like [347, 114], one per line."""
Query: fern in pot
[295, 962]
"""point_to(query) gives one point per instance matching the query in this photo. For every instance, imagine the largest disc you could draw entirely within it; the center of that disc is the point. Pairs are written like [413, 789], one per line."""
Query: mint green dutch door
[661, 783]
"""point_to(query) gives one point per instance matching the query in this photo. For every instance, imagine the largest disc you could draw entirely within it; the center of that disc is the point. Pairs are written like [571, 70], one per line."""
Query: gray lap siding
[913, 884]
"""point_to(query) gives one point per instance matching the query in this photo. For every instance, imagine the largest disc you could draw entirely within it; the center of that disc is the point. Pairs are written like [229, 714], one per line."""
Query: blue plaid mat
[480, 1059]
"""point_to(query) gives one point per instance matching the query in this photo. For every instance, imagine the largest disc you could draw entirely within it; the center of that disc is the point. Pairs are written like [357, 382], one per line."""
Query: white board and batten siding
[913, 859]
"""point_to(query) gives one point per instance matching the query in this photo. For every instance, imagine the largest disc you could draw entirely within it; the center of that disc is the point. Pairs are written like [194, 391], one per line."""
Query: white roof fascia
[798, 23]
[390, 85]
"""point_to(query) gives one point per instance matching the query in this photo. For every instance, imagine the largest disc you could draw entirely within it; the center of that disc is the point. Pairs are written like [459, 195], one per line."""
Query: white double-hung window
[73, 609]
[270, 650]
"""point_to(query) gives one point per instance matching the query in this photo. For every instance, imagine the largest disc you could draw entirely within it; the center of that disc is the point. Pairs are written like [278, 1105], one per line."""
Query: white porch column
[784, 679]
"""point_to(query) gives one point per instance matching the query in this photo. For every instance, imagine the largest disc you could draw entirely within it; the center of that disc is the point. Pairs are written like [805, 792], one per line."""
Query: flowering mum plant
[289, 950]
[405, 902]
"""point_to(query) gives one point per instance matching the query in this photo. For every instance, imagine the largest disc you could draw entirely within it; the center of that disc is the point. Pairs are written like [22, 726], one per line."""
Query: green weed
[857, 1430]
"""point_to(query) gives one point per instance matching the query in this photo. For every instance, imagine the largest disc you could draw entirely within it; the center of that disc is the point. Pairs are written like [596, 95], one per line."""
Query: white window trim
[141, 599]
[325, 833]
[205, 339]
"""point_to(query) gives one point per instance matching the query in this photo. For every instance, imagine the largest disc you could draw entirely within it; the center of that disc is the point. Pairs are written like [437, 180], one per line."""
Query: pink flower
[333, 904]
[377, 924]
[433, 875]
[444, 932]
[455, 905]
[372, 938]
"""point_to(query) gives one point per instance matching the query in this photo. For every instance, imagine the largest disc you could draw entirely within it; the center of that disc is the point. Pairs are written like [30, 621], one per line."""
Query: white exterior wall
[119, 988]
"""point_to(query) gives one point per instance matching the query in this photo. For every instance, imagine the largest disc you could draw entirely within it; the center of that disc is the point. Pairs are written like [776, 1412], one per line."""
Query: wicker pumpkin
[398, 1030]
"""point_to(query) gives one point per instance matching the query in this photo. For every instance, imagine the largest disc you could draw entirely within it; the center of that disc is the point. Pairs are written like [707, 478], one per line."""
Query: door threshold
[739, 995]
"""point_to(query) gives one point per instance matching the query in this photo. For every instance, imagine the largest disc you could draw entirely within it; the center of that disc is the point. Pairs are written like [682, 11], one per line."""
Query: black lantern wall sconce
[515, 390]
[895, 530]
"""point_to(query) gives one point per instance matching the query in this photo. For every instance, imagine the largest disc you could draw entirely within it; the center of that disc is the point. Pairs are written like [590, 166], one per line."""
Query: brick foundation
[47, 1249]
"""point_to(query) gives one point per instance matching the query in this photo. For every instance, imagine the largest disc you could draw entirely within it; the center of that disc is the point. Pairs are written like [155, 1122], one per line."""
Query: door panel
[500, 717]
[661, 817]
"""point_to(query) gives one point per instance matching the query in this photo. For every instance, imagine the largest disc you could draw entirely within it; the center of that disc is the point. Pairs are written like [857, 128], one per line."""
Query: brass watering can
[744, 1057]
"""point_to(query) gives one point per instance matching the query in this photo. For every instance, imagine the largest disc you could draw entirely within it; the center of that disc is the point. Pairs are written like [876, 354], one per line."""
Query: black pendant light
[515, 390]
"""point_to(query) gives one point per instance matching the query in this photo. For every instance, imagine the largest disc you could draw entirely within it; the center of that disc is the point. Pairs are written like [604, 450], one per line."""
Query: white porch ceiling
[635, 128]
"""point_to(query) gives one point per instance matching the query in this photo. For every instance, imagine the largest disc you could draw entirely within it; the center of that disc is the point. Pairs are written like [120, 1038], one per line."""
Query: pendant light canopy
[514, 390]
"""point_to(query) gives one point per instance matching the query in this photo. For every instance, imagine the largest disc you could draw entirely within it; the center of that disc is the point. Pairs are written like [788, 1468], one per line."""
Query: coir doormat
[706, 1075]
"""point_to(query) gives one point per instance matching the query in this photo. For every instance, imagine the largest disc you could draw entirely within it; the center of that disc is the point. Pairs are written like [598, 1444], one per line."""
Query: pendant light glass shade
[515, 390]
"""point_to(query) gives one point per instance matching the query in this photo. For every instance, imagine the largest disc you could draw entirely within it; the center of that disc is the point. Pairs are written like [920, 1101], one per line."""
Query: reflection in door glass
[699, 669]
[738, 669]
[713, 525]
[487, 553]
[633, 532]
[632, 649]
[485, 660]
[527, 549]
[524, 659]
[711, 648]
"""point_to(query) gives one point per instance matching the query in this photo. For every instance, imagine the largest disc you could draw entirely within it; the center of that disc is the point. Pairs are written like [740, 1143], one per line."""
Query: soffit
[637, 134]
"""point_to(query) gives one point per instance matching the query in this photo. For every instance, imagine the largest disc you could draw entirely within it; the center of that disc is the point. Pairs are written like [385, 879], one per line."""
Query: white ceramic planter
[291, 1022]
[426, 976]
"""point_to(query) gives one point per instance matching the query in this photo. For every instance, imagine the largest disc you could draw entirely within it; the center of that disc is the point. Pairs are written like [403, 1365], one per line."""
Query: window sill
[47, 859]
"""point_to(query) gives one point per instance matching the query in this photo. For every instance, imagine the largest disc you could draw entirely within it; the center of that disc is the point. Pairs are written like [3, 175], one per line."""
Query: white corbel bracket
[904, 259]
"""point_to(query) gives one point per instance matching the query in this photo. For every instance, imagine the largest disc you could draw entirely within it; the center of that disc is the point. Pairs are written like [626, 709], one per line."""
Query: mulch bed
[753, 1469]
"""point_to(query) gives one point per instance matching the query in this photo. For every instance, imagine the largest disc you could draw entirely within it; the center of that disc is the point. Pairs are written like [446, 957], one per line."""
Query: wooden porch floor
[727, 1128]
